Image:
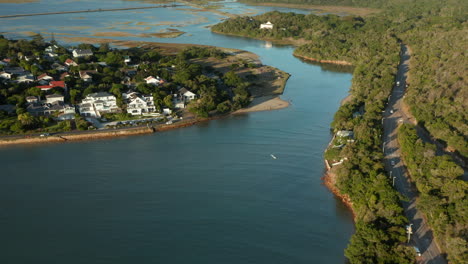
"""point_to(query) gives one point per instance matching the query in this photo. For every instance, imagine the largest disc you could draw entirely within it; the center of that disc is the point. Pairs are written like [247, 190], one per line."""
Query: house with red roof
[53, 84]
[70, 62]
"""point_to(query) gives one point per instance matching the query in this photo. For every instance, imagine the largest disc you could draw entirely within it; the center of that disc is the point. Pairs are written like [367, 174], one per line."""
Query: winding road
[422, 236]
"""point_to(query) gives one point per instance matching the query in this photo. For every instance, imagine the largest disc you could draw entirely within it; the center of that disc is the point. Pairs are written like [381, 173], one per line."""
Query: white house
[181, 99]
[127, 59]
[77, 53]
[32, 99]
[50, 99]
[139, 104]
[267, 25]
[153, 80]
[86, 75]
[70, 62]
[5, 75]
[96, 104]
[25, 78]
[187, 95]
[52, 48]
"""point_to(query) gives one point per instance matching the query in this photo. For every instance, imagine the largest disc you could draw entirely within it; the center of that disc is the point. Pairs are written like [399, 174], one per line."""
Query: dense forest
[437, 96]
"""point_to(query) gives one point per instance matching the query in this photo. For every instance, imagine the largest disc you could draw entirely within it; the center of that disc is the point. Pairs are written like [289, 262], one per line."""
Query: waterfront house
[267, 25]
[96, 104]
[187, 95]
[78, 53]
[138, 104]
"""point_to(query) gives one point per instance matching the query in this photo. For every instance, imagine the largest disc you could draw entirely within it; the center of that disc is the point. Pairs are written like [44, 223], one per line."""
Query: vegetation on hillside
[442, 194]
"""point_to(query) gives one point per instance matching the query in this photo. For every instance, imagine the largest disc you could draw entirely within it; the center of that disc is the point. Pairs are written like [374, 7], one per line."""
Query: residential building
[138, 104]
[267, 25]
[96, 104]
[87, 75]
[50, 99]
[25, 78]
[70, 62]
[77, 53]
[32, 99]
[153, 80]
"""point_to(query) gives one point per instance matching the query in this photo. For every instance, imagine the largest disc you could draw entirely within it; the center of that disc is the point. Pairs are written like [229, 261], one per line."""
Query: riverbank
[329, 180]
[337, 62]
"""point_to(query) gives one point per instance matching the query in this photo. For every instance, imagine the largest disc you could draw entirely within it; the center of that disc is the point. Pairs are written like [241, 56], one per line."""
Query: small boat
[273, 156]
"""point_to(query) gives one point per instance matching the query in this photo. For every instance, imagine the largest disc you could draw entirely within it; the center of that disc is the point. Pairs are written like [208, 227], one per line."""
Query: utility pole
[409, 230]
[394, 181]
[390, 174]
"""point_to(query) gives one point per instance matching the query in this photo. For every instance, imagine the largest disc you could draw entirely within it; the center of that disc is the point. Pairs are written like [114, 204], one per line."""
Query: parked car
[44, 135]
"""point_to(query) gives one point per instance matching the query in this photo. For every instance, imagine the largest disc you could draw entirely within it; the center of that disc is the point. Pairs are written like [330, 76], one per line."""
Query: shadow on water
[329, 67]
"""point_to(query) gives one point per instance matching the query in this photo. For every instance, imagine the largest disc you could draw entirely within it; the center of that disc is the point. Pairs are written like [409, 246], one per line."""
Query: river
[210, 193]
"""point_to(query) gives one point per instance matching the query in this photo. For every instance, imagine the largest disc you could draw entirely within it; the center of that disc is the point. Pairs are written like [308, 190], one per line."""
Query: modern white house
[77, 53]
[153, 80]
[267, 25]
[96, 104]
[139, 104]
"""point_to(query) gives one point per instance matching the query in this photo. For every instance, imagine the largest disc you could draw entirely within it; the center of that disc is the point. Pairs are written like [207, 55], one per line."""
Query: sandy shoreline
[264, 103]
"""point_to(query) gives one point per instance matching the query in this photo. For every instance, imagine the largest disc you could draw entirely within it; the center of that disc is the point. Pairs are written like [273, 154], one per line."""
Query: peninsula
[95, 92]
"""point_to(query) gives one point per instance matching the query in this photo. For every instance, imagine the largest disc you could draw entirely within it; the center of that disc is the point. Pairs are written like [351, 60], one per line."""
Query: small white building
[32, 99]
[50, 99]
[5, 75]
[77, 53]
[153, 80]
[267, 25]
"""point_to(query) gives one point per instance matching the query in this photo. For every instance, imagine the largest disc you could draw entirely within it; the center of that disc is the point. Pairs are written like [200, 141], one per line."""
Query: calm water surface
[210, 193]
